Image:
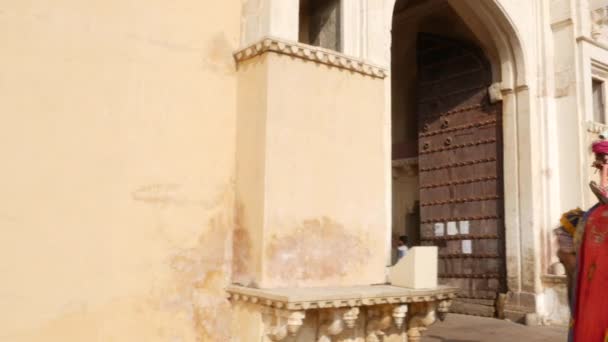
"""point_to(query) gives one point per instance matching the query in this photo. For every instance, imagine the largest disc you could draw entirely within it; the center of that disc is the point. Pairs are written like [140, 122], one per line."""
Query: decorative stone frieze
[336, 297]
[375, 310]
[310, 53]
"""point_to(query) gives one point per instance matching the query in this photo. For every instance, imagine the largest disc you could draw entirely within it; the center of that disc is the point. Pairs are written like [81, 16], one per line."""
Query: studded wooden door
[460, 169]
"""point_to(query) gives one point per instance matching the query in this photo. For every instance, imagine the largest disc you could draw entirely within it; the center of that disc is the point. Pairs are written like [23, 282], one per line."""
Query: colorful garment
[565, 233]
[590, 304]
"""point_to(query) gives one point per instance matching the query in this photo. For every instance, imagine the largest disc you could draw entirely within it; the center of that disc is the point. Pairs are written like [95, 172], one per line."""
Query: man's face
[395, 241]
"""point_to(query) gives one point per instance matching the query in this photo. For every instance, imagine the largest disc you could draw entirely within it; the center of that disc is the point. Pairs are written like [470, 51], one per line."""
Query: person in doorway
[589, 301]
[402, 247]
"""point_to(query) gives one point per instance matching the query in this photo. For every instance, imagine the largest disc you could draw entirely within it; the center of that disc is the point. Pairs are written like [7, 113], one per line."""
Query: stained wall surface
[118, 140]
[325, 215]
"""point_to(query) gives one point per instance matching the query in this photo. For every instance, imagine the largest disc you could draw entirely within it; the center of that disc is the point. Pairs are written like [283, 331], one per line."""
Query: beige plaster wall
[250, 170]
[117, 139]
[325, 213]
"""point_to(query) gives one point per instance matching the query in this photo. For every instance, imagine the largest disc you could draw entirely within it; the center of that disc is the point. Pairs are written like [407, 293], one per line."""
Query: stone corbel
[443, 308]
[335, 321]
[495, 93]
[285, 323]
[421, 316]
[378, 320]
[399, 314]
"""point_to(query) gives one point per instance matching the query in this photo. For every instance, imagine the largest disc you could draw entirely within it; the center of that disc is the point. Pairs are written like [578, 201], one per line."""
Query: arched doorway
[447, 136]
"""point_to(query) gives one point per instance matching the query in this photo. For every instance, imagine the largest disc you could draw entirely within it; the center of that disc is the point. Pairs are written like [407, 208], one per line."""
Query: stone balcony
[354, 314]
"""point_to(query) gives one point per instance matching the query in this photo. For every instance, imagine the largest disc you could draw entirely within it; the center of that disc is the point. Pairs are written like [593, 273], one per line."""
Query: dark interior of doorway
[421, 206]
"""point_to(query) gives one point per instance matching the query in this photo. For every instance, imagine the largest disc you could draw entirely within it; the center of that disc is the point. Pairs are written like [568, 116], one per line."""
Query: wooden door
[460, 168]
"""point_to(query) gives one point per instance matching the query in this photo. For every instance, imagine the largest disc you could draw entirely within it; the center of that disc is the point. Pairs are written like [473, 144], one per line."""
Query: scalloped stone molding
[309, 53]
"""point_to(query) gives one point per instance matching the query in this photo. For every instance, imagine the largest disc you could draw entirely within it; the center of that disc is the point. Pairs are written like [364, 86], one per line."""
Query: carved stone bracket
[495, 93]
[382, 318]
[399, 314]
[443, 309]
[283, 323]
[421, 316]
[310, 53]
[378, 321]
[335, 321]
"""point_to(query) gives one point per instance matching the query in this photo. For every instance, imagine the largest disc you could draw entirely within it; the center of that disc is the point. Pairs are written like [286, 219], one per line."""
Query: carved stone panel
[599, 27]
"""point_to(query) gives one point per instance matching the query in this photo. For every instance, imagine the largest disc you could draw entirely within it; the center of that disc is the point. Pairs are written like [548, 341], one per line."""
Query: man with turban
[590, 241]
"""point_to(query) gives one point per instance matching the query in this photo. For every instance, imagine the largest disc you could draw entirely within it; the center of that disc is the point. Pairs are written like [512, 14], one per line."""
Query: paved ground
[459, 328]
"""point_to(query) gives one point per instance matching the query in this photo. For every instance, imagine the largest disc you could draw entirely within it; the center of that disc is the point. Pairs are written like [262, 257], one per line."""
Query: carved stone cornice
[309, 53]
[338, 297]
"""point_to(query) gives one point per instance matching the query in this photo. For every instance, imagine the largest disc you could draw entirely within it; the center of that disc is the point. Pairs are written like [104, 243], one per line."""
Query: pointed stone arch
[500, 39]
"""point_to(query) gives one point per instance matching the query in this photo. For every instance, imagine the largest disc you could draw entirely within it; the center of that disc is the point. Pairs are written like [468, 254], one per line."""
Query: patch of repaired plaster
[200, 266]
[200, 275]
[318, 249]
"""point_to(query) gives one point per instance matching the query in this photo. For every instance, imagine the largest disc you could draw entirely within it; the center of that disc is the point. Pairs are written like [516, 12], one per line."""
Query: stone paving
[460, 328]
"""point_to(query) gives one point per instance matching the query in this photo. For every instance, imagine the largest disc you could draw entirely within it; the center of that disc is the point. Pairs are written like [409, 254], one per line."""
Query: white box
[417, 270]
